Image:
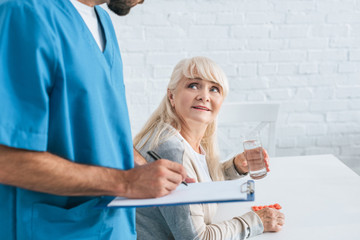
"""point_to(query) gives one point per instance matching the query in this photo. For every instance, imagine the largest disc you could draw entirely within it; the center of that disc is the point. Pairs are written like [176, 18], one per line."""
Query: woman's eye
[215, 89]
[193, 85]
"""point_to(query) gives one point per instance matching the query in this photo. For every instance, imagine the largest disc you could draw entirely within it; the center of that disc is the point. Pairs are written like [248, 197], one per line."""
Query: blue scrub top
[59, 93]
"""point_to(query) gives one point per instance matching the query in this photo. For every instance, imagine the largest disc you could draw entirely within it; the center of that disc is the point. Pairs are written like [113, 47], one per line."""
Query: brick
[287, 56]
[334, 6]
[345, 43]
[164, 32]
[127, 32]
[322, 80]
[154, 19]
[235, 96]
[328, 55]
[256, 97]
[226, 44]
[348, 92]
[264, 18]
[135, 45]
[305, 117]
[294, 106]
[355, 30]
[265, 44]
[220, 57]
[355, 55]
[249, 56]
[280, 94]
[135, 85]
[329, 30]
[348, 67]
[138, 99]
[328, 105]
[247, 69]
[343, 128]
[293, 81]
[290, 32]
[267, 69]
[289, 152]
[304, 93]
[253, 6]
[250, 83]
[167, 59]
[351, 151]
[250, 31]
[328, 68]
[205, 19]
[324, 93]
[294, 6]
[309, 43]
[343, 17]
[133, 59]
[308, 68]
[316, 129]
[322, 150]
[229, 18]
[162, 72]
[288, 142]
[171, 45]
[333, 141]
[137, 72]
[305, 17]
[344, 116]
[290, 131]
[191, 46]
[211, 32]
[230, 70]
[287, 68]
[184, 19]
[355, 104]
[305, 141]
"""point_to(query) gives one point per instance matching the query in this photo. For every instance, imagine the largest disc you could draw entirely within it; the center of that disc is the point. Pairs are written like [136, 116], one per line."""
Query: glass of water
[254, 156]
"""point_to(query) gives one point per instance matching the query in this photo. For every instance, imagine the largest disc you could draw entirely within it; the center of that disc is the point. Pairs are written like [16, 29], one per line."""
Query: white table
[320, 197]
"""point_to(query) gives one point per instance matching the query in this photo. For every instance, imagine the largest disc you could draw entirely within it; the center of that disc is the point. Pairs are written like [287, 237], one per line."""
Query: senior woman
[183, 129]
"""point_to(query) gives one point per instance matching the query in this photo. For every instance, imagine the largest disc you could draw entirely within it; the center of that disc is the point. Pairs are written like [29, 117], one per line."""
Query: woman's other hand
[272, 219]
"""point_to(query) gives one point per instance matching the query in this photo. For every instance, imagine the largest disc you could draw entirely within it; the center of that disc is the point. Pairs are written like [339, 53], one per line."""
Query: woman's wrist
[239, 170]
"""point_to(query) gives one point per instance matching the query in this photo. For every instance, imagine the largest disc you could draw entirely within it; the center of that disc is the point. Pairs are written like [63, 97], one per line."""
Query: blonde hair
[165, 115]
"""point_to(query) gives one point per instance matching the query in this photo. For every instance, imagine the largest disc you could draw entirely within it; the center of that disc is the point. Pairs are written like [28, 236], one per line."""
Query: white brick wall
[304, 54]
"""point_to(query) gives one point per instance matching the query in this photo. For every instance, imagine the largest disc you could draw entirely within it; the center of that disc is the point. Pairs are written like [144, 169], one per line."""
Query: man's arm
[45, 172]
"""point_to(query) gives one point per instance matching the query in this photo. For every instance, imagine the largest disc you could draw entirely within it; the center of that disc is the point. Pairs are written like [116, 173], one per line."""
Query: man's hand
[272, 219]
[154, 179]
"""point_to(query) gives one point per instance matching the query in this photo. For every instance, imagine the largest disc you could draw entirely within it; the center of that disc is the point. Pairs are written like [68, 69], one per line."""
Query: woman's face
[196, 100]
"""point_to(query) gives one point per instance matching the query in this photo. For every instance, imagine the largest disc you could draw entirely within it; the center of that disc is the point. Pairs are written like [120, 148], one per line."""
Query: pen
[155, 156]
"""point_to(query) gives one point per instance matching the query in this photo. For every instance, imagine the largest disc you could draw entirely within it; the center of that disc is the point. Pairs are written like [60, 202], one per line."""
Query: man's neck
[92, 3]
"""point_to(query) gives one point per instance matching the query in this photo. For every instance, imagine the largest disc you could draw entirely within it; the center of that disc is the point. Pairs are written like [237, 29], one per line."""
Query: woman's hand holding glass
[242, 165]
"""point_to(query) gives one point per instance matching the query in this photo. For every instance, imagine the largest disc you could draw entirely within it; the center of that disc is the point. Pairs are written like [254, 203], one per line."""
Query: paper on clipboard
[207, 192]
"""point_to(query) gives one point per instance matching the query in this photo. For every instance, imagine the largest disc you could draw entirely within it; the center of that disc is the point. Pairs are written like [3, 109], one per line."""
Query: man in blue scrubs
[65, 137]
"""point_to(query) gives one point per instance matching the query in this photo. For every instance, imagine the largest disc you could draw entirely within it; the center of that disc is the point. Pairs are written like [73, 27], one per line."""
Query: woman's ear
[170, 96]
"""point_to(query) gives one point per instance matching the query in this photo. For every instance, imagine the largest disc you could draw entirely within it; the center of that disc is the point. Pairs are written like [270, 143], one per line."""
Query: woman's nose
[203, 96]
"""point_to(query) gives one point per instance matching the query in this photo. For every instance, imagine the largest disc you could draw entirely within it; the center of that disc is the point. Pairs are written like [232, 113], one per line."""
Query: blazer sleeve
[178, 218]
[230, 171]
[241, 227]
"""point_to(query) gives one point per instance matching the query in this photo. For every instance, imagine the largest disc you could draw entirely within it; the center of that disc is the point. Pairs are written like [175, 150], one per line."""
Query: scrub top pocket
[81, 222]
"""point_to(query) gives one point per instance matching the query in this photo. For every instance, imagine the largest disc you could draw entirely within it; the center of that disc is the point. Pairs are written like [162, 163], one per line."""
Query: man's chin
[118, 8]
